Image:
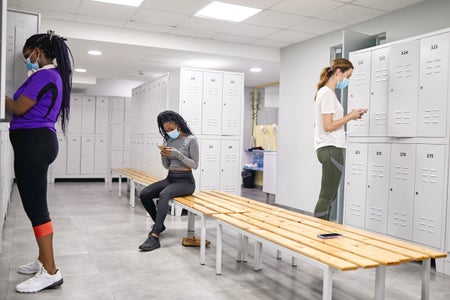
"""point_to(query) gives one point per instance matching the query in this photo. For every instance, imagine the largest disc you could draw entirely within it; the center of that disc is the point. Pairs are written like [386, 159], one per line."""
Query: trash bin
[248, 178]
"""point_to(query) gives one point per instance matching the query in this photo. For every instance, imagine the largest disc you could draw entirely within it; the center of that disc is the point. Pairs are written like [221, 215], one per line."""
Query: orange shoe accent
[43, 230]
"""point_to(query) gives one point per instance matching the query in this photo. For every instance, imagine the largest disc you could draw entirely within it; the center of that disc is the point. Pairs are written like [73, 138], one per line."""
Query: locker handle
[368, 186]
[391, 189]
[417, 193]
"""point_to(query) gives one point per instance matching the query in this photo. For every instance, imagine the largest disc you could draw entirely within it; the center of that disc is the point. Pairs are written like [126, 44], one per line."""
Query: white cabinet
[230, 162]
[101, 115]
[212, 103]
[59, 165]
[73, 155]
[88, 115]
[76, 112]
[270, 172]
[210, 164]
[191, 99]
[100, 159]
[232, 104]
[87, 154]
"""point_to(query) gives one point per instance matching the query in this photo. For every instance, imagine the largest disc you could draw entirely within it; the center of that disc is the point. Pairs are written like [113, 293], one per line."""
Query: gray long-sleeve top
[184, 153]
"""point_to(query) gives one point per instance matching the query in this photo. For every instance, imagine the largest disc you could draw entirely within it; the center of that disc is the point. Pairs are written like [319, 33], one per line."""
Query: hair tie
[329, 69]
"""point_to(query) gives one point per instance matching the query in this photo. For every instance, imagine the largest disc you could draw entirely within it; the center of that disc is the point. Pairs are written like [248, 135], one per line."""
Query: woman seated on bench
[179, 155]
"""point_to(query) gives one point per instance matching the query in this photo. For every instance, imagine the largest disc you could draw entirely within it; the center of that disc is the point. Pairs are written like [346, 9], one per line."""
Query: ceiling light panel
[134, 3]
[228, 12]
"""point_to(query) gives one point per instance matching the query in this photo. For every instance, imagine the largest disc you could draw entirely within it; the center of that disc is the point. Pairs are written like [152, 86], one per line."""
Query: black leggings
[176, 184]
[34, 150]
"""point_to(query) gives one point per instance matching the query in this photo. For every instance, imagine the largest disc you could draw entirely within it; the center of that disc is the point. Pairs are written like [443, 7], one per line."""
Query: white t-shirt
[328, 103]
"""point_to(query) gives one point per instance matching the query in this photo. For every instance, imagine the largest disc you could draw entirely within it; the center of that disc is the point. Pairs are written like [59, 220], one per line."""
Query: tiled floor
[96, 240]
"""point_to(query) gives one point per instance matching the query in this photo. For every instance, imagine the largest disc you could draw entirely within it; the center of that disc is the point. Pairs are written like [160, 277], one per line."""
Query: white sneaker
[40, 281]
[30, 268]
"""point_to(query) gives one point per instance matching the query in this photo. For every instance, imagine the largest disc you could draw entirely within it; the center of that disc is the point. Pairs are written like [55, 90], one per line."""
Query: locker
[232, 104]
[59, 165]
[117, 134]
[379, 85]
[401, 191]
[117, 159]
[191, 99]
[100, 155]
[359, 93]
[378, 161]
[76, 104]
[87, 155]
[128, 110]
[210, 164]
[403, 88]
[212, 103]
[88, 115]
[126, 135]
[429, 201]
[126, 158]
[101, 115]
[117, 109]
[355, 184]
[230, 166]
[73, 154]
[434, 63]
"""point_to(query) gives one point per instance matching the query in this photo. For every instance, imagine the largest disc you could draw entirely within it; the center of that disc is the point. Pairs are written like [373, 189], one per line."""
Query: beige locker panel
[359, 93]
[230, 166]
[403, 88]
[76, 111]
[355, 184]
[210, 165]
[87, 155]
[101, 155]
[88, 115]
[232, 104]
[59, 165]
[401, 192]
[117, 109]
[378, 161]
[433, 90]
[101, 115]
[429, 200]
[212, 103]
[73, 154]
[379, 86]
[191, 99]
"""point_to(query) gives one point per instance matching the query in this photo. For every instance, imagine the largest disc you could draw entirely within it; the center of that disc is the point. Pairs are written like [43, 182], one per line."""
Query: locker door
[358, 93]
[429, 203]
[378, 161]
[401, 196]
[127, 135]
[128, 110]
[232, 104]
[379, 85]
[210, 165]
[116, 159]
[126, 158]
[76, 111]
[212, 103]
[59, 165]
[403, 85]
[87, 154]
[191, 99]
[73, 154]
[355, 184]
[432, 111]
[101, 155]
[88, 115]
[117, 134]
[117, 109]
[230, 166]
[101, 115]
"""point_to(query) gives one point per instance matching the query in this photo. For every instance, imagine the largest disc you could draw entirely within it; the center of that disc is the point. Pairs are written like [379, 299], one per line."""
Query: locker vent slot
[401, 173]
[427, 225]
[355, 209]
[399, 219]
[376, 214]
[357, 168]
[429, 175]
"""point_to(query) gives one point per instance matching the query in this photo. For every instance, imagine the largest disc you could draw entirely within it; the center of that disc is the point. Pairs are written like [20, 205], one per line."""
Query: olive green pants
[332, 160]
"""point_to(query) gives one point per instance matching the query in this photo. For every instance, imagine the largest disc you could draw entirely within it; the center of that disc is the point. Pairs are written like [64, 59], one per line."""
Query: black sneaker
[150, 244]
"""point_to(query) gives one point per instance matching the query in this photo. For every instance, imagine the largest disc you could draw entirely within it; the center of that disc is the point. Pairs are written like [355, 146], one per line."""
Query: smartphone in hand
[162, 147]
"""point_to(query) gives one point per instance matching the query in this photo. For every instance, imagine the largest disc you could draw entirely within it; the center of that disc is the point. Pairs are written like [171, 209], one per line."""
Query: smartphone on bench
[329, 235]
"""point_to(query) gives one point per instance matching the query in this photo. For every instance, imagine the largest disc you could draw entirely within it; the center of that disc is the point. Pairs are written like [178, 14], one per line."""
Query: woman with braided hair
[36, 106]
[179, 155]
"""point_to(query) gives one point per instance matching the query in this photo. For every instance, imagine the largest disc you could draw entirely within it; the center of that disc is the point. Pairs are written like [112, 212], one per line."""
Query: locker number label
[379, 153]
[404, 52]
[361, 62]
[434, 47]
[430, 155]
[402, 154]
[357, 152]
[382, 57]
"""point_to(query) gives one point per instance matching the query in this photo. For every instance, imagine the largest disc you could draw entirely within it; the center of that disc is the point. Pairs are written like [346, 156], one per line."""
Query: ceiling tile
[178, 6]
[49, 5]
[271, 43]
[202, 23]
[317, 26]
[100, 9]
[263, 4]
[306, 8]
[151, 16]
[148, 27]
[193, 32]
[100, 21]
[351, 14]
[234, 38]
[386, 5]
[290, 36]
[249, 30]
[275, 19]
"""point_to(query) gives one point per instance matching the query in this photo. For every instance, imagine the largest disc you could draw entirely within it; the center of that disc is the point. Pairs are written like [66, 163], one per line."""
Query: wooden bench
[296, 235]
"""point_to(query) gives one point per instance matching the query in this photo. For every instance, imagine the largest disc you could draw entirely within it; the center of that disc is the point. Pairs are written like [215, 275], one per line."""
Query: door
[212, 103]
[230, 166]
[232, 104]
[191, 99]
[210, 164]
[87, 154]
[73, 154]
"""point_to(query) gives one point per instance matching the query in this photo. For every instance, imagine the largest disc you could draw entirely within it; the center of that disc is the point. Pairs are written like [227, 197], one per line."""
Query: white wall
[298, 171]
[110, 87]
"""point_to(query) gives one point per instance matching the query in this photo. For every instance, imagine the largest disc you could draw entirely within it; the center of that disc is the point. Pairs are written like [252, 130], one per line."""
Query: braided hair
[55, 47]
[171, 116]
[342, 64]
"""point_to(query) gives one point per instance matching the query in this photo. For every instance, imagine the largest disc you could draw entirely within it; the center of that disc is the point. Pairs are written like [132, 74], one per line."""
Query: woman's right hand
[357, 113]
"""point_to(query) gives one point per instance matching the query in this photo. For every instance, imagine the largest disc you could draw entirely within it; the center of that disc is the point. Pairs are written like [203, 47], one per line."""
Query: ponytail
[342, 64]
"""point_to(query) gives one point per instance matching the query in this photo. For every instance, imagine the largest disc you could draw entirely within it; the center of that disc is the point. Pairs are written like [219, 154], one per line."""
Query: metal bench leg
[219, 250]
[245, 249]
[426, 268]
[327, 284]
[380, 281]
[294, 262]
[278, 254]
[203, 240]
[132, 193]
[191, 224]
[239, 254]
[258, 256]
[120, 186]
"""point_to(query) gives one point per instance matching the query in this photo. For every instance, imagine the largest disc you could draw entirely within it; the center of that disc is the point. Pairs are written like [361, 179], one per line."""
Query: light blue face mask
[31, 66]
[343, 84]
[173, 134]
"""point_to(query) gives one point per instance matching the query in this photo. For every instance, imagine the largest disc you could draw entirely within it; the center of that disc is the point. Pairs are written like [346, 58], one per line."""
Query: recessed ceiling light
[134, 3]
[80, 70]
[225, 11]
[255, 70]
[94, 52]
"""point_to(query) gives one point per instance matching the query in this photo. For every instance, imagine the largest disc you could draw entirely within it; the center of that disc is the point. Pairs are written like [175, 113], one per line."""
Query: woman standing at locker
[329, 132]
[179, 154]
[37, 104]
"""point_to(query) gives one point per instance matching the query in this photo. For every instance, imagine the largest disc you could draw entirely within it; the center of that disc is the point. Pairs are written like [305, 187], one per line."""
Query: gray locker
[401, 192]
[232, 104]
[87, 154]
[378, 162]
[191, 99]
[100, 155]
[88, 115]
[429, 201]
[212, 103]
[117, 135]
[355, 184]
[210, 164]
[379, 86]
[101, 115]
[403, 86]
[59, 165]
[229, 166]
[73, 154]
[117, 109]
[434, 64]
[76, 111]
[359, 92]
